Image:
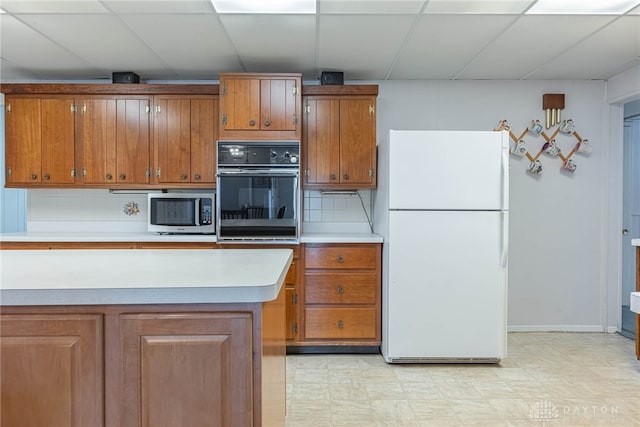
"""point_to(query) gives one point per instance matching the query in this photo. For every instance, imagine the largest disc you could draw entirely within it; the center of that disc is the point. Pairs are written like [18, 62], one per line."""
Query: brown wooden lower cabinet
[145, 365]
[342, 287]
[52, 370]
[323, 282]
[194, 369]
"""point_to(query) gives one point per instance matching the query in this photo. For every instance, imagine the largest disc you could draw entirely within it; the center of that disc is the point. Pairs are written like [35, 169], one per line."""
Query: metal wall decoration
[550, 147]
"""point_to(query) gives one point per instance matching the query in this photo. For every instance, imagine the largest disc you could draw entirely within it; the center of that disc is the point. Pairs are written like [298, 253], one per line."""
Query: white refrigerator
[442, 206]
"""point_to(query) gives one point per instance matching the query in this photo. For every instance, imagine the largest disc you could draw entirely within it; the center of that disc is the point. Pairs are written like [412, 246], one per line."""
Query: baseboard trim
[556, 328]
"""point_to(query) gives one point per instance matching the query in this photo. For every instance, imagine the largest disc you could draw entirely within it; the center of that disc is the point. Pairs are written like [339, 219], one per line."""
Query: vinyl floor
[548, 379]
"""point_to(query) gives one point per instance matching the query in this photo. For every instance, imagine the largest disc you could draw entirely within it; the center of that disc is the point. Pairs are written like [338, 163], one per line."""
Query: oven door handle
[259, 172]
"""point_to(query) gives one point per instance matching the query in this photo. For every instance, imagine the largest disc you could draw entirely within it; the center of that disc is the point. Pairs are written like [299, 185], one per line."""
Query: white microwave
[181, 213]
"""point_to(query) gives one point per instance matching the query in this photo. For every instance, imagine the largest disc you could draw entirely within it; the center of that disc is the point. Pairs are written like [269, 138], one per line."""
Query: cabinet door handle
[340, 259]
[340, 324]
[34, 176]
[333, 177]
[183, 176]
[196, 176]
[47, 177]
[122, 176]
[267, 122]
[340, 290]
[345, 176]
[252, 122]
[108, 176]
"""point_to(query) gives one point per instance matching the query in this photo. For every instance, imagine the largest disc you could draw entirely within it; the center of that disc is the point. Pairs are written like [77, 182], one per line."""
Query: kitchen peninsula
[146, 337]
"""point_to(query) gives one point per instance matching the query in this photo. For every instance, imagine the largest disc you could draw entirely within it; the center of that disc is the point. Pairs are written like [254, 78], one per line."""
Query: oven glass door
[257, 205]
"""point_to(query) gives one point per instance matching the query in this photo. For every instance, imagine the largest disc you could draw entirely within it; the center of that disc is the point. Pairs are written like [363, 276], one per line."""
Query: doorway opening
[631, 213]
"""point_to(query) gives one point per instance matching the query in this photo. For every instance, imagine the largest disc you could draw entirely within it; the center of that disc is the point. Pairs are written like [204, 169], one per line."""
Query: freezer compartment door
[450, 170]
[445, 292]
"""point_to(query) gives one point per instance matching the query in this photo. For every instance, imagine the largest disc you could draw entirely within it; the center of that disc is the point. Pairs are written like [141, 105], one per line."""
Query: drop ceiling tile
[102, 40]
[363, 7]
[272, 43]
[55, 6]
[155, 6]
[596, 57]
[529, 43]
[440, 46]
[364, 46]
[478, 6]
[25, 49]
[635, 11]
[214, 52]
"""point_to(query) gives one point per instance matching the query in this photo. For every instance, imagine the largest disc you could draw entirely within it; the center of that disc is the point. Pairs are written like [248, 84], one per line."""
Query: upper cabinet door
[132, 141]
[260, 106]
[58, 140]
[113, 140]
[204, 134]
[278, 101]
[357, 142]
[97, 140]
[40, 140]
[339, 146]
[172, 139]
[322, 141]
[23, 152]
[184, 139]
[242, 104]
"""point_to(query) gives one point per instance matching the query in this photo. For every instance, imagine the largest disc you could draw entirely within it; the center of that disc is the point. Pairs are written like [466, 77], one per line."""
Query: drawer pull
[340, 259]
[340, 290]
[340, 324]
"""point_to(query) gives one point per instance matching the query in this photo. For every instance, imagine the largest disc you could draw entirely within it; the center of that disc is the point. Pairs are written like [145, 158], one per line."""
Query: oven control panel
[259, 153]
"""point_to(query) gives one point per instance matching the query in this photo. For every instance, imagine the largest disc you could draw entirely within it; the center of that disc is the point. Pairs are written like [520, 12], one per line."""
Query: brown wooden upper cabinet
[185, 131]
[260, 106]
[39, 140]
[114, 140]
[339, 144]
[105, 136]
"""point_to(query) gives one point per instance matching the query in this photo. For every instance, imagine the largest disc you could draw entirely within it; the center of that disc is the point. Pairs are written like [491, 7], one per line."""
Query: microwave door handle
[198, 207]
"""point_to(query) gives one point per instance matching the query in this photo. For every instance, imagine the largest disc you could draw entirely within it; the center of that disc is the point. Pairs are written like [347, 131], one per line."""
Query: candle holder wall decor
[552, 104]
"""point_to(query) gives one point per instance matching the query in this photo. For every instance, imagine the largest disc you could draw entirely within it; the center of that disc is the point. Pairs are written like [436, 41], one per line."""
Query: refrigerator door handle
[505, 179]
[504, 257]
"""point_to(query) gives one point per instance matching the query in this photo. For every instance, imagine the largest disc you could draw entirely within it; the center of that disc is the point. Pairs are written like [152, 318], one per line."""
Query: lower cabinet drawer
[336, 323]
[341, 288]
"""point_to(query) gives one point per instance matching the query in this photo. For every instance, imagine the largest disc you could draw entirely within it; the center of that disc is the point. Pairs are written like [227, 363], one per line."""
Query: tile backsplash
[332, 207]
[96, 210]
[86, 210]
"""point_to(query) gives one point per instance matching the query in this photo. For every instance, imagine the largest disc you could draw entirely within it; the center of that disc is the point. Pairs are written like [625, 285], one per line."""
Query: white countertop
[155, 276]
[310, 237]
[104, 237]
[348, 237]
[635, 302]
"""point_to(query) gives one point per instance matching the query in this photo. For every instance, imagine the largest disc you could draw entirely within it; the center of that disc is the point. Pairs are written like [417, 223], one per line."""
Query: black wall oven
[258, 191]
